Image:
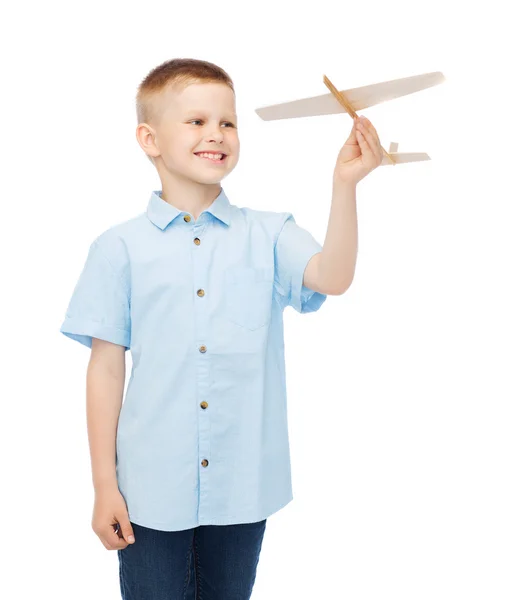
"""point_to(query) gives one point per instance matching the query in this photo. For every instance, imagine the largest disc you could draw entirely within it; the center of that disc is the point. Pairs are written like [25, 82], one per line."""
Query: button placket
[203, 382]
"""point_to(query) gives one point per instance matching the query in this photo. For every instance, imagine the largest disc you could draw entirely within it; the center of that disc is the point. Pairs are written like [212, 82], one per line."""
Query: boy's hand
[360, 154]
[110, 519]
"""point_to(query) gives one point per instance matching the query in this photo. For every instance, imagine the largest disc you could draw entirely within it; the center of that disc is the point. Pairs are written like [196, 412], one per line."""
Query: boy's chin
[207, 179]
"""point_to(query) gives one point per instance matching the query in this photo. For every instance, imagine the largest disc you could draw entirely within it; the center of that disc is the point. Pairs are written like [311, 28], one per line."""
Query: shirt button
[187, 218]
[203, 349]
[205, 462]
[196, 241]
[200, 293]
[204, 405]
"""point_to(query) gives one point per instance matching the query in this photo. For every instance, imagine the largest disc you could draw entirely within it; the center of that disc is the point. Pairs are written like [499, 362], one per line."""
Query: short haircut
[177, 73]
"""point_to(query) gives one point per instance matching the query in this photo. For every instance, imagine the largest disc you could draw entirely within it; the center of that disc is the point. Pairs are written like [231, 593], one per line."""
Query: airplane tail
[404, 157]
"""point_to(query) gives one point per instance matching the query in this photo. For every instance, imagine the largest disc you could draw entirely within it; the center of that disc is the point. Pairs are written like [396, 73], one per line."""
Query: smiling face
[199, 118]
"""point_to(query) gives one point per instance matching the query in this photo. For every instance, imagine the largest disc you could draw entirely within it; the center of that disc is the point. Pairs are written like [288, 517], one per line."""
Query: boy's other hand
[110, 519]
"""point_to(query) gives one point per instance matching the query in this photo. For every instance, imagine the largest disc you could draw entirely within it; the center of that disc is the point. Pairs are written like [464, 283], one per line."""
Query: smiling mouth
[216, 161]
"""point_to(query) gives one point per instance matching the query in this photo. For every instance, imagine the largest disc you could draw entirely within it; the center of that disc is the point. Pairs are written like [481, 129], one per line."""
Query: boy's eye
[200, 121]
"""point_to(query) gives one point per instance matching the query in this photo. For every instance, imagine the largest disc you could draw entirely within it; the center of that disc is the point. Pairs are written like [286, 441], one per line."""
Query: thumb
[352, 138]
[126, 529]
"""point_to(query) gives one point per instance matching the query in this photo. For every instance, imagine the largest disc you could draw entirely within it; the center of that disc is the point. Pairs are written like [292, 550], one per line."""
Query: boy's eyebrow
[189, 112]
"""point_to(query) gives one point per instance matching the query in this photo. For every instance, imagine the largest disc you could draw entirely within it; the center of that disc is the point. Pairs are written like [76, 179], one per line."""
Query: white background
[396, 389]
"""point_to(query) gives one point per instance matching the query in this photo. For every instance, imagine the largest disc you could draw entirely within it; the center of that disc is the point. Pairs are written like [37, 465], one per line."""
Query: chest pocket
[249, 296]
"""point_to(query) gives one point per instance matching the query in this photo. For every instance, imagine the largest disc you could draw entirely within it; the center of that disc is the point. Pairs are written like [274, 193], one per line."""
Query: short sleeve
[292, 251]
[99, 306]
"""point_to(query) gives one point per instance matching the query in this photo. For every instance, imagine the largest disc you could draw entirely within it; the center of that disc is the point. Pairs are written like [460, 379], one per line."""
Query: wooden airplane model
[356, 99]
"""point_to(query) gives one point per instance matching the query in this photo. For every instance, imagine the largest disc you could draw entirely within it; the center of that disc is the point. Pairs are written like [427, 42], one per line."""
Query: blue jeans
[209, 562]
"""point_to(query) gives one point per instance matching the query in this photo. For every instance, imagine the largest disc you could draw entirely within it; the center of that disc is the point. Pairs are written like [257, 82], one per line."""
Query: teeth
[213, 156]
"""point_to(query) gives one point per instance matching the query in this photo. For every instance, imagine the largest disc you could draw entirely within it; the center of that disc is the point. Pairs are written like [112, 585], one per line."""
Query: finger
[370, 133]
[365, 146]
[375, 135]
[105, 542]
[352, 138]
[126, 529]
[113, 537]
[372, 144]
[119, 537]
[369, 125]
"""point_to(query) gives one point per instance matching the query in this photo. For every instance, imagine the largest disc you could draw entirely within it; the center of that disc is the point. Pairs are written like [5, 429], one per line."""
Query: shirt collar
[161, 213]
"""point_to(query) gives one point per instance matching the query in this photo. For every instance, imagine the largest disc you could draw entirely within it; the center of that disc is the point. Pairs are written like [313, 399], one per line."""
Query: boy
[195, 287]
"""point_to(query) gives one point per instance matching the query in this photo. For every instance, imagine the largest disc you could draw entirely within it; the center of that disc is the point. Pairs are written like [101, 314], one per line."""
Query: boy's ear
[145, 138]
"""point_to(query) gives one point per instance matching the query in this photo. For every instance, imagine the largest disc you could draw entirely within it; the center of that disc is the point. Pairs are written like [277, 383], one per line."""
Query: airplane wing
[359, 98]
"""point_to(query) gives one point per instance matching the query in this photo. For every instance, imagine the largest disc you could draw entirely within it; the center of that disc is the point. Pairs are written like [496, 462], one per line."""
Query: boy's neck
[192, 198]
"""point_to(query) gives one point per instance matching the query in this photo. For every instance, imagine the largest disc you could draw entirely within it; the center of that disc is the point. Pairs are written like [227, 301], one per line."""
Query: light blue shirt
[202, 436]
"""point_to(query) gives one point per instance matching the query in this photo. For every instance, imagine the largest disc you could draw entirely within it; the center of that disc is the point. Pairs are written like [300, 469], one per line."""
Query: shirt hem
[229, 520]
